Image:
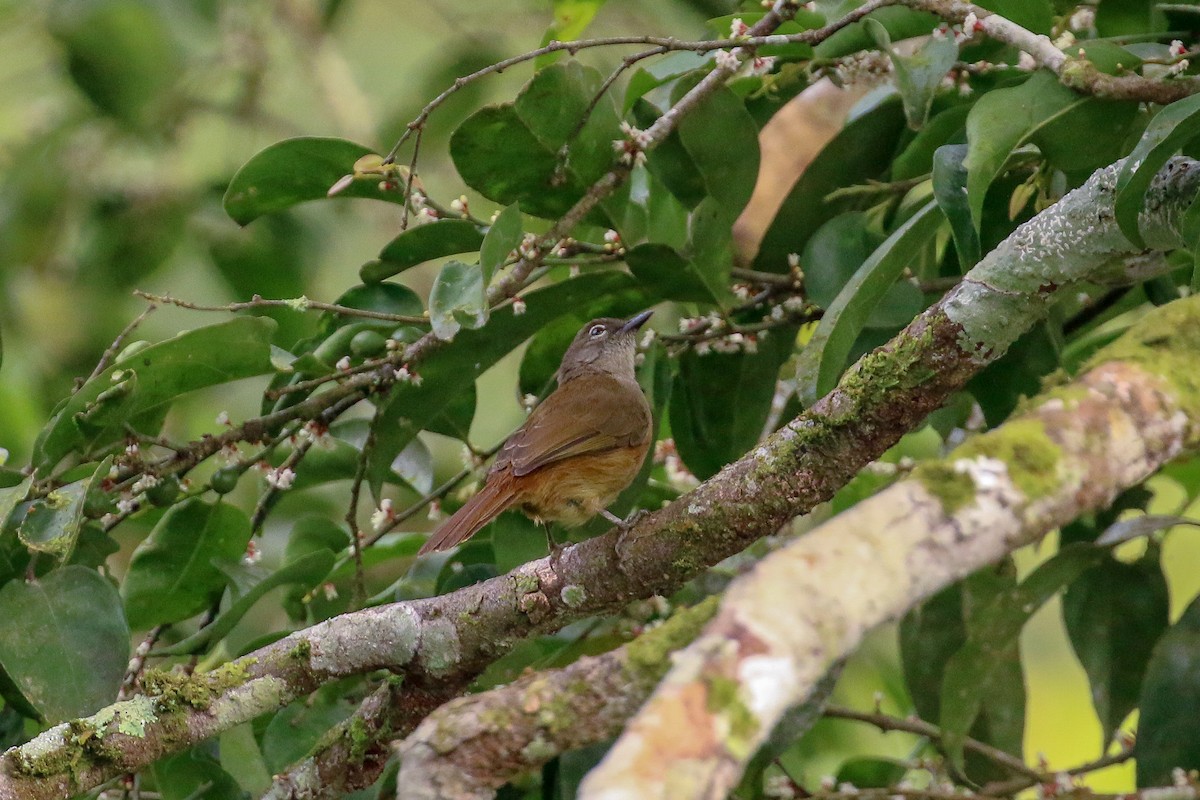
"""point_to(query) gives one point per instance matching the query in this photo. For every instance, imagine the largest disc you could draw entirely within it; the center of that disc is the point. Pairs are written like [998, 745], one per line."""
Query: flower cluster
[631, 150]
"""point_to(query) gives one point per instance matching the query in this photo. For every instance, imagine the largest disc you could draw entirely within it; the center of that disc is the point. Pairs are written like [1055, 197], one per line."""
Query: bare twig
[300, 304]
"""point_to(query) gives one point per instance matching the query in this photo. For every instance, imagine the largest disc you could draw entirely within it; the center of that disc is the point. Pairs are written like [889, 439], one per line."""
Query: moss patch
[649, 656]
[1032, 457]
[725, 700]
[953, 488]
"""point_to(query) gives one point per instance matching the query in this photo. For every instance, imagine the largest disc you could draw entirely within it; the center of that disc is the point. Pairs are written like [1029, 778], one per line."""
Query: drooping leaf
[293, 731]
[502, 238]
[385, 298]
[294, 171]
[1114, 614]
[173, 574]
[950, 191]
[999, 624]
[242, 759]
[457, 299]
[52, 523]
[11, 497]
[721, 140]
[1171, 129]
[421, 243]
[944, 127]
[571, 18]
[824, 357]
[861, 151]
[515, 152]
[64, 642]
[720, 402]
[136, 391]
[1169, 724]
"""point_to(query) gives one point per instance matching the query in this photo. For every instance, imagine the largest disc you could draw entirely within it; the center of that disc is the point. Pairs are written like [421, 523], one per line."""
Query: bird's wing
[603, 415]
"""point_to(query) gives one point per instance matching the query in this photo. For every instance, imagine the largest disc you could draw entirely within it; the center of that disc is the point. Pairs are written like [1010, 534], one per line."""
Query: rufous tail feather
[486, 505]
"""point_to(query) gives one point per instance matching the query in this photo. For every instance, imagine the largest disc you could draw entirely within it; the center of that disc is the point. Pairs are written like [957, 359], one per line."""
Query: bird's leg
[623, 524]
[555, 548]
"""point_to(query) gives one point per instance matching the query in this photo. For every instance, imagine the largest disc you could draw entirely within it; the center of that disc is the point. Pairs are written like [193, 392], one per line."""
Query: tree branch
[1075, 452]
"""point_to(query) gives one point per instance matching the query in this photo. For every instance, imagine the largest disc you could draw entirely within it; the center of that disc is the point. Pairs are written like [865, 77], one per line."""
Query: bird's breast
[574, 490]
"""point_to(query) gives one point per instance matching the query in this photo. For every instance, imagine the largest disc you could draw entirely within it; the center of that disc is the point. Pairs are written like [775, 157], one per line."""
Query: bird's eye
[596, 331]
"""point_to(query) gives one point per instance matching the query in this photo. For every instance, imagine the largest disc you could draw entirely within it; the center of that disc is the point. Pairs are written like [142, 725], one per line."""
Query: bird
[579, 448]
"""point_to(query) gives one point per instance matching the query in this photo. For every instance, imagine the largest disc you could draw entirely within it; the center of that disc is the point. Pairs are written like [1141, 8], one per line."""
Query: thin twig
[107, 356]
[356, 536]
[300, 304]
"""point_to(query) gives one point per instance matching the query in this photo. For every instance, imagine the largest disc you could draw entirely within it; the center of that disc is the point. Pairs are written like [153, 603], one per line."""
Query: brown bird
[578, 449]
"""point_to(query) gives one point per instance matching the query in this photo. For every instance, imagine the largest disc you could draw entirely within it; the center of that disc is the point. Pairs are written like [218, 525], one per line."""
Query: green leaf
[1171, 129]
[11, 497]
[515, 152]
[243, 761]
[386, 298]
[502, 238]
[305, 572]
[719, 402]
[193, 775]
[670, 276]
[121, 55]
[1169, 725]
[173, 574]
[138, 390]
[933, 632]
[296, 170]
[1002, 120]
[861, 151]
[823, 359]
[64, 641]
[571, 18]
[945, 127]
[1115, 613]
[950, 191]
[721, 140]
[457, 299]
[52, 523]
[421, 243]
[411, 408]
[294, 730]
[918, 76]
[998, 626]
[866, 772]
[310, 535]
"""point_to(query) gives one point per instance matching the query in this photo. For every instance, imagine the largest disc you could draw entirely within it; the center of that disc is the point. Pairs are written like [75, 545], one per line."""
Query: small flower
[404, 374]
[971, 23]
[281, 478]
[343, 364]
[1026, 62]
[518, 306]
[127, 505]
[253, 554]
[793, 261]
[1084, 19]
[631, 148]
[459, 205]
[528, 402]
[223, 418]
[528, 248]
[727, 60]
[573, 271]
[738, 29]
[133, 450]
[648, 337]
[426, 215]
[435, 511]
[329, 590]
[383, 516]
[1064, 40]
[761, 65]
[1177, 48]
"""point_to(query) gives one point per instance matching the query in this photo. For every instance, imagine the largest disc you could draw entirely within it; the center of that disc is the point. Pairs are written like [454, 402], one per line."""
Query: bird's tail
[486, 505]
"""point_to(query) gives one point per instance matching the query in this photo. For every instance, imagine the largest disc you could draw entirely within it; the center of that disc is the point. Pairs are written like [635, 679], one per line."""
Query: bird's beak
[633, 323]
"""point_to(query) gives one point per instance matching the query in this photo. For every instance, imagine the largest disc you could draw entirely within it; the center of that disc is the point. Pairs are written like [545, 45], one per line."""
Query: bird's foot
[634, 517]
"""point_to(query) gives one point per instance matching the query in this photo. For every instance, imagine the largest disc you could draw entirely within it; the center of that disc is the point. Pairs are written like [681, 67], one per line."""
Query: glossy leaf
[950, 191]
[52, 523]
[410, 408]
[421, 243]
[1115, 613]
[515, 152]
[824, 356]
[138, 390]
[457, 299]
[720, 401]
[305, 572]
[1169, 724]
[173, 574]
[722, 141]
[294, 171]
[666, 273]
[386, 298]
[63, 641]
[571, 18]
[502, 239]
[1171, 129]
[293, 731]
[943, 128]
[860, 152]
[11, 497]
